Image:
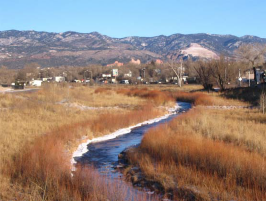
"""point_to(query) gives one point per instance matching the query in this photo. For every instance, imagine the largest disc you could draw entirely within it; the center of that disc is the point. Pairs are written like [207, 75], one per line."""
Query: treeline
[148, 72]
[222, 72]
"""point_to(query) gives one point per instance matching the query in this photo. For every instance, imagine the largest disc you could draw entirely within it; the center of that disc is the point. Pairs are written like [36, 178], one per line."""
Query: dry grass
[35, 134]
[195, 98]
[215, 154]
[83, 95]
[45, 163]
[168, 94]
[37, 131]
[206, 99]
[241, 127]
[169, 97]
[205, 185]
[156, 96]
[174, 88]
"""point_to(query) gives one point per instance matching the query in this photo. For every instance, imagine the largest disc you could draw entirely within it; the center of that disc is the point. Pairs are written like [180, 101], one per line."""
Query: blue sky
[121, 18]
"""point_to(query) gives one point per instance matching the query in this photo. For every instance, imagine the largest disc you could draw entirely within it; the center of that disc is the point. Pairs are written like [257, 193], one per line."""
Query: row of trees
[217, 72]
[224, 70]
[209, 72]
[148, 72]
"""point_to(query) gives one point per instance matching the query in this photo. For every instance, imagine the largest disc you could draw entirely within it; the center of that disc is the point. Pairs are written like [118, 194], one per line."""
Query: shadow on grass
[247, 94]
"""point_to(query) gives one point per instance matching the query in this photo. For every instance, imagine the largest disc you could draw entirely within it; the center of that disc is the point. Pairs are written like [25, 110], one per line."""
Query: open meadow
[211, 154]
[39, 131]
[142, 100]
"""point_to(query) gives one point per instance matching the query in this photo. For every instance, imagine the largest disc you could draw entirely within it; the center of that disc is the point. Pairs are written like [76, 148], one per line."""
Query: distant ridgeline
[78, 49]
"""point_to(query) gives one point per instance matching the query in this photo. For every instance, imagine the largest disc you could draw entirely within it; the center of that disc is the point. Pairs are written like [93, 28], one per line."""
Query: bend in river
[104, 155]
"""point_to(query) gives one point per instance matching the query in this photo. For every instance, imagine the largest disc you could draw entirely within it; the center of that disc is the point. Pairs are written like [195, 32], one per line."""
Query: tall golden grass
[241, 127]
[195, 98]
[157, 96]
[166, 97]
[163, 97]
[36, 131]
[42, 166]
[46, 165]
[193, 151]
[84, 95]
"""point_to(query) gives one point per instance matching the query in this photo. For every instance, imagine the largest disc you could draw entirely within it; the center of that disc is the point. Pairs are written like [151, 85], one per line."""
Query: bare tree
[205, 74]
[178, 72]
[254, 54]
[220, 71]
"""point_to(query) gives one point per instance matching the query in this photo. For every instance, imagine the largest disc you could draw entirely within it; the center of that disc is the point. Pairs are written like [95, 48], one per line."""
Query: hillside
[72, 48]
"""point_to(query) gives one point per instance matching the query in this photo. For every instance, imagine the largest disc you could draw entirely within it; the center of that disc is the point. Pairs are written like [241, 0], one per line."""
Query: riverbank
[34, 125]
[82, 148]
[38, 131]
[41, 162]
[205, 154]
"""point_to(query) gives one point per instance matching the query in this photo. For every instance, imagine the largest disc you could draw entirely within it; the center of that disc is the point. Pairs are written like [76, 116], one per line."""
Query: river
[104, 155]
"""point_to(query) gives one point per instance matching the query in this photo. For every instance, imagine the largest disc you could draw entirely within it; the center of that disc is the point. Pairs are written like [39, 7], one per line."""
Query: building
[59, 79]
[257, 74]
[36, 83]
[249, 74]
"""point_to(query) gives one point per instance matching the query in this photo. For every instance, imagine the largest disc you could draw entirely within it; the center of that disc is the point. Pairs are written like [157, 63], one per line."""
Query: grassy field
[208, 154]
[39, 130]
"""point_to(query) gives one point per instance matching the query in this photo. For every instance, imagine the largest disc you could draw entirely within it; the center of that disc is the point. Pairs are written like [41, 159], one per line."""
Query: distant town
[230, 73]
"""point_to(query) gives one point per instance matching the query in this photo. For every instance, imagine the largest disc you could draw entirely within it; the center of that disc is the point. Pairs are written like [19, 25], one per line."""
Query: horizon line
[132, 35]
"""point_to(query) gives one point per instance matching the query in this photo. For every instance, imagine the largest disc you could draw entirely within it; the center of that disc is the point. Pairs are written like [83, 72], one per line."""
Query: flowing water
[104, 155]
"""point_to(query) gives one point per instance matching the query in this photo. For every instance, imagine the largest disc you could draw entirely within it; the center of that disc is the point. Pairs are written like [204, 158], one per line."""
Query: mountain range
[79, 49]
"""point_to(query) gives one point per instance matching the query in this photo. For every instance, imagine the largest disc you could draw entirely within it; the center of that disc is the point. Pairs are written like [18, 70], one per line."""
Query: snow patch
[199, 51]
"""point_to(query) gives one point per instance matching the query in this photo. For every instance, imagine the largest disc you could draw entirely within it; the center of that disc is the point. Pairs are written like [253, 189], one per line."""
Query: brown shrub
[162, 97]
[158, 97]
[194, 98]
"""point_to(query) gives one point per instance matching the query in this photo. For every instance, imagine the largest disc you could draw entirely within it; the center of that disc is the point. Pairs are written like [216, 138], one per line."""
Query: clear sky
[121, 18]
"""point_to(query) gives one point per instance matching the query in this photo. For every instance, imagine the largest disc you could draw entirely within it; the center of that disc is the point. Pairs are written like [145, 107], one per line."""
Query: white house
[59, 79]
[36, 83]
